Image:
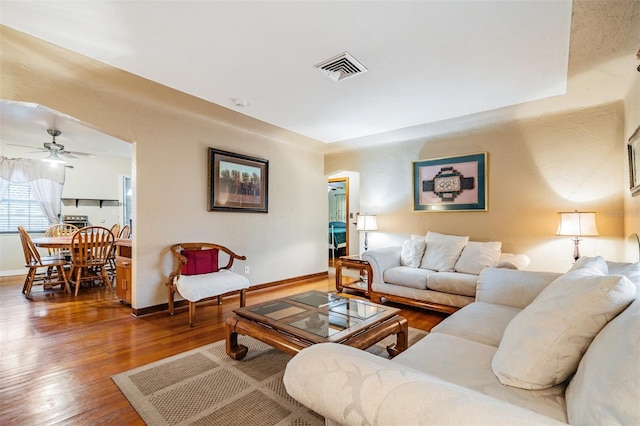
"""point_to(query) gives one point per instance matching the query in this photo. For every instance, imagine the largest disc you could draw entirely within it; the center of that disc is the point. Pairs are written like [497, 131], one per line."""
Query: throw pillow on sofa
[442, 251]
[608, 376]
[598, 263]
[412, 252]
[476, 256]
[544, 343]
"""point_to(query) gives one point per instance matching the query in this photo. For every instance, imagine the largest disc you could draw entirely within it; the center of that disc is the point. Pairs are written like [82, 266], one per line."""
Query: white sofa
[528, 329]
[439, 272]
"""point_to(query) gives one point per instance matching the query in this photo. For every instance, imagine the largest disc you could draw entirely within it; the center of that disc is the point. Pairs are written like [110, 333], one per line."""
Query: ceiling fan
[56, 150]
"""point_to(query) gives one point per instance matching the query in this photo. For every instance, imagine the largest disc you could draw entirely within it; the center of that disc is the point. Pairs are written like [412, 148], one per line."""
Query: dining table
[57, 242]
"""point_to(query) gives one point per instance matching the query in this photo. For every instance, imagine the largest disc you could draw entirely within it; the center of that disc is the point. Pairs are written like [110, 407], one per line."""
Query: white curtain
[46, 182]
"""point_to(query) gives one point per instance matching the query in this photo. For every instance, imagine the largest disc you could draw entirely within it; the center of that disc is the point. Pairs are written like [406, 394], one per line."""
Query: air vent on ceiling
[341, 67]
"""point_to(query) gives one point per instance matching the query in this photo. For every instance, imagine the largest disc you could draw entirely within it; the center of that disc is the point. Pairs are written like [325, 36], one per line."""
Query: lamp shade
[579, 224]
[366, 223]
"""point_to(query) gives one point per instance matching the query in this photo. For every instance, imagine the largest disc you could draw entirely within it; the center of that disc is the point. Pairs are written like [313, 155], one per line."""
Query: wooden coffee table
[293, 323]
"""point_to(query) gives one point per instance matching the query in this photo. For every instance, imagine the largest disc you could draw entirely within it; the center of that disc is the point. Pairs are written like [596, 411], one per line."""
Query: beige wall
[631, 212]
[171, 132]
[536, 167]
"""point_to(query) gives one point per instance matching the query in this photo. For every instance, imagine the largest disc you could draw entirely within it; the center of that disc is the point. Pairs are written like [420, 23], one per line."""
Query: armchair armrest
[511, 287]
[350, 386]
[380, 260]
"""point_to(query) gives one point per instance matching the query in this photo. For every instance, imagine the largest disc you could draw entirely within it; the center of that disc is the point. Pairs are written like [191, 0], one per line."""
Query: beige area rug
[205, 386]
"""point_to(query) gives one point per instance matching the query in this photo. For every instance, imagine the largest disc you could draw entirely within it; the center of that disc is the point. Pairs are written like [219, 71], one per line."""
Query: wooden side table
[358, 263]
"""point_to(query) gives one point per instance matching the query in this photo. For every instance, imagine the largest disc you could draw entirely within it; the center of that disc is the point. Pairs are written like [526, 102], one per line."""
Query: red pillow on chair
[200, 261]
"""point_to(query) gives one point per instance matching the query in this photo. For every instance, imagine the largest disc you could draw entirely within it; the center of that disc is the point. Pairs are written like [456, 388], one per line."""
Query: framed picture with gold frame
[634, 162]
[450, 183]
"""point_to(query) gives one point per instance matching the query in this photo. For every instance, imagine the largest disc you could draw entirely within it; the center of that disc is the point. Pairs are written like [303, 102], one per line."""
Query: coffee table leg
[234, 350]
[402, 338]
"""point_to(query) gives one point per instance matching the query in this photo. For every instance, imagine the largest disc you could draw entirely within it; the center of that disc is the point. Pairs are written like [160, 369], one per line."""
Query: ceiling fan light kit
[54, 159]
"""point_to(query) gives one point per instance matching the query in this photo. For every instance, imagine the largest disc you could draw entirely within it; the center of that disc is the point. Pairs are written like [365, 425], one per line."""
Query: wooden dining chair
[91, 247]
[59, 230]
[125, 233]
[34, 262]
[115, 229]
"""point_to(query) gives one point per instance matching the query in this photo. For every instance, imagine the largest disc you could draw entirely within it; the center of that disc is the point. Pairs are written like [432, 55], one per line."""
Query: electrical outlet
[246, 270]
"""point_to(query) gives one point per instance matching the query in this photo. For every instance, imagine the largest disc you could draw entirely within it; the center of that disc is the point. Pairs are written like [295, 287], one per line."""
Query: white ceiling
[26, 125]
[427, 61]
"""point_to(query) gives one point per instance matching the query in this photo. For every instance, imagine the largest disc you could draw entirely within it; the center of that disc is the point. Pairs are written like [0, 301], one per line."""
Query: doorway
[338, 230]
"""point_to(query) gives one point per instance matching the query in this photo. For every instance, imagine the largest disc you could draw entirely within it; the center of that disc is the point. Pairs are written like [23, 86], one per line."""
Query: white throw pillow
[598, 263]
[608, 375]
[629, 270]
[477, 256]
[442, 251]
[515, 261]
[412, 251]
[544, 343]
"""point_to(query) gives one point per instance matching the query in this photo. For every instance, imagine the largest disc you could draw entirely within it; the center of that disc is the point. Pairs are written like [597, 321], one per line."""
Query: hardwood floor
[57, 352]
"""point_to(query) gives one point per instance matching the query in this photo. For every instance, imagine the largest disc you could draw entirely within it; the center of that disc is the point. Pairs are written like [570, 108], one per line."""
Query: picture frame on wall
[238, 183]
[634, 162]
[450, 183]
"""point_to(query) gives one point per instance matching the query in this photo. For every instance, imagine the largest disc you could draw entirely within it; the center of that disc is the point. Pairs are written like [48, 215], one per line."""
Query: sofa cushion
[198, 287]
[442, 251]
[468, 363]
[453, 283]
[412, 252]
[488, 323]
[476, 256]
[543, 344]
[608, 376]
[407, 276]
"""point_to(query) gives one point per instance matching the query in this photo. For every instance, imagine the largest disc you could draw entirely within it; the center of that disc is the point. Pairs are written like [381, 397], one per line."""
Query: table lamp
[366, 222]
[577, 224]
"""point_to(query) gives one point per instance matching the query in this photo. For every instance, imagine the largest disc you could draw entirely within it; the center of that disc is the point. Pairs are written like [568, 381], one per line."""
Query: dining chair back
[125, 232]
[115, 229]
[34, 261]
[60, 230]
[91, 248]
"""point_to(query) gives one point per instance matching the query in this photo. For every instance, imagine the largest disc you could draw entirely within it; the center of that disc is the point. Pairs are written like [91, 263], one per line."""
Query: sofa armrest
[350, 386]
[511, 287]
[382, 259]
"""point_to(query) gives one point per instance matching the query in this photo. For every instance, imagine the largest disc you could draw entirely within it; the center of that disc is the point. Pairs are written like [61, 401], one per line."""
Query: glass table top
[322, 314]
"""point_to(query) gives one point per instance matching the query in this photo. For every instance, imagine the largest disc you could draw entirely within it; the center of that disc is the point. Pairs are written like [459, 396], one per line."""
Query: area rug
[205, 386]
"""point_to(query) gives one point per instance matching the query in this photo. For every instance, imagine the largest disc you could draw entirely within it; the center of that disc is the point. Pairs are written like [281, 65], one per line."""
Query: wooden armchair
[198, 276]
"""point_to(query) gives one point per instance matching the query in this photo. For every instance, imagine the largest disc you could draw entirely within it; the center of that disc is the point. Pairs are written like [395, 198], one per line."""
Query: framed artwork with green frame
[451, 183]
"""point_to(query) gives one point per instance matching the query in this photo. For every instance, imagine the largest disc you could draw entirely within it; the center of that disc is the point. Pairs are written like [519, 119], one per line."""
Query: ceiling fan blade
[79, 154]
[31, 147]
[67, 154]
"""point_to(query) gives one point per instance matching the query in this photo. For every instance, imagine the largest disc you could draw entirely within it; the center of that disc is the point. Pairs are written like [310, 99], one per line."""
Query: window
[19, 207]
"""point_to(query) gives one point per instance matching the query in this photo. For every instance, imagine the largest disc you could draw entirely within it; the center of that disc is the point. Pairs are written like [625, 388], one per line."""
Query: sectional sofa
[437, 272]
[534, 348]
